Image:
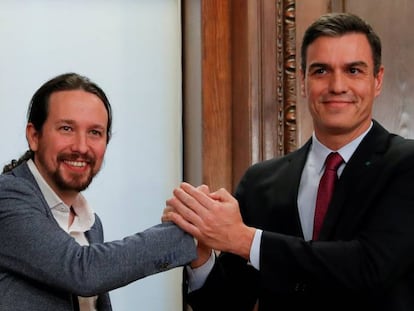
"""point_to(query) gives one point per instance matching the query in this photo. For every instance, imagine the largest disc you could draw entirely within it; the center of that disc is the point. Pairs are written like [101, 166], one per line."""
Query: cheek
[99, 151]
[312, 97]
[363, 93]
[50, 147]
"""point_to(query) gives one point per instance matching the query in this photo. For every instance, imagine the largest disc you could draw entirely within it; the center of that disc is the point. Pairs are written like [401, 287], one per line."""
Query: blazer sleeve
[35, 247]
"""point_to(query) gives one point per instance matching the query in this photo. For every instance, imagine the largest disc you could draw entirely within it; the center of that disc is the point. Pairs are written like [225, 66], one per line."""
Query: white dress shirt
[83, 221]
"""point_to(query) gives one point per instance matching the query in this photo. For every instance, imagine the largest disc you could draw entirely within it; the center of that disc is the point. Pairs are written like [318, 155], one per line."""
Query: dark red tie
[325, 190]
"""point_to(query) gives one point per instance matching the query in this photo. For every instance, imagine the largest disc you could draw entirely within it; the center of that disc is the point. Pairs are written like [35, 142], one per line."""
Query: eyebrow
[73, 122]
[351, 64]
[64, 121]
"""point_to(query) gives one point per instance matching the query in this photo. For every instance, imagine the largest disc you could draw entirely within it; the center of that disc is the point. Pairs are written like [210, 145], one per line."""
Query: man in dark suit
[52, 251]
[363, 257]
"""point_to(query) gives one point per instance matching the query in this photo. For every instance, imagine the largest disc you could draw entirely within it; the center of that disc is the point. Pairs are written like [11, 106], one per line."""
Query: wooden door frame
[247, 88]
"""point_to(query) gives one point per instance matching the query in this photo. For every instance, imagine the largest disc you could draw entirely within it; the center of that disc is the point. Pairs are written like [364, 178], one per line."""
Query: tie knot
[333, 161]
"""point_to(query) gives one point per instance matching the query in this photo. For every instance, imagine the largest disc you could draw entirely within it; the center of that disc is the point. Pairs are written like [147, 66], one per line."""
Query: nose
[80, 143]
[337, 83]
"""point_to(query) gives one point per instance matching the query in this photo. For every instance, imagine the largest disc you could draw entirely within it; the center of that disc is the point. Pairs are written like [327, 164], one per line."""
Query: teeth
[75, 163]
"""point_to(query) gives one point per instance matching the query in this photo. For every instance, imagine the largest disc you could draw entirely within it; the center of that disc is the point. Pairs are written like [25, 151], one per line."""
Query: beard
[76, 183]
[73, 181]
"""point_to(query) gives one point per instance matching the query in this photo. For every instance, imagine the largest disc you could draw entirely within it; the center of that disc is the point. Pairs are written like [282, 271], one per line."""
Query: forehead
[349, 48]
[77, 105]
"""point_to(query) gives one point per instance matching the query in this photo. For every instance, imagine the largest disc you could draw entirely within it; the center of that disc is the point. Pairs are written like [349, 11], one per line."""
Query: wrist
[203, 254]
[244, 242]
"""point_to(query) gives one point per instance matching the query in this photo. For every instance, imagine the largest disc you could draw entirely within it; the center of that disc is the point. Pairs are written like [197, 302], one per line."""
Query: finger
[183, 224]
[191, 200]
[187, 207]
[222, 195]
[197, 199]
[165, 213]
[204, 188]
[165, 218]
[168, 207]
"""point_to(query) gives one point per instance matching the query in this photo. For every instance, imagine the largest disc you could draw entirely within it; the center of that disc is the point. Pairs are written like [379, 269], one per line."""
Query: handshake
[212, 218]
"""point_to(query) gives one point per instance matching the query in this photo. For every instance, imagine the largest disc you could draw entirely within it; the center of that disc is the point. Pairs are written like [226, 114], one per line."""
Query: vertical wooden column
[248, 87]
[216, 94]
[263, 81]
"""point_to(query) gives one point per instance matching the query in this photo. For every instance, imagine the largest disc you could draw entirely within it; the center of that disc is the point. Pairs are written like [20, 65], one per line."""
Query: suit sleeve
[34, 247]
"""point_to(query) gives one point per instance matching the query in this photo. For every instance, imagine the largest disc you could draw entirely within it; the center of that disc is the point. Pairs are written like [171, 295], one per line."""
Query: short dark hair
[339, 24]
[39, 105]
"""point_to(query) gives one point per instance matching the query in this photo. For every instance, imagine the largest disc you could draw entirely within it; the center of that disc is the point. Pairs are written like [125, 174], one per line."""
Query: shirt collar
[319, 152]
[85, 216]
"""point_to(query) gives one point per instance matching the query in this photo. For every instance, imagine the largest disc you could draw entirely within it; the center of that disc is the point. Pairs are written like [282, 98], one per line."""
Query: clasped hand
[213, 218]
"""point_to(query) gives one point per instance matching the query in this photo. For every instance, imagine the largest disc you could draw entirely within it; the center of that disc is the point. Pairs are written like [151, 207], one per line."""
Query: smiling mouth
[76, 163]
[338, 100]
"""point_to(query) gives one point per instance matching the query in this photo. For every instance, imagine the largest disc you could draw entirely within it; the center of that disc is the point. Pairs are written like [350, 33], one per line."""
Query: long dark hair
[39, 105]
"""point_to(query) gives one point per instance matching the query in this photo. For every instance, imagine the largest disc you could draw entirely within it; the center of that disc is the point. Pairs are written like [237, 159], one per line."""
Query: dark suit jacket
[42, 268]
[365, 257]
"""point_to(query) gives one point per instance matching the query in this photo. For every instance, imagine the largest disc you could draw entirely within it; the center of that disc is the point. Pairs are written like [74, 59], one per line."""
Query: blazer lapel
[294, 176]
[353, 184]
[93, 235]
[284, 192]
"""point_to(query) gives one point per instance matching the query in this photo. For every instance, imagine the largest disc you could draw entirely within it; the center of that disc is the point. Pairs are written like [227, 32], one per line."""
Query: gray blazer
[43, 268]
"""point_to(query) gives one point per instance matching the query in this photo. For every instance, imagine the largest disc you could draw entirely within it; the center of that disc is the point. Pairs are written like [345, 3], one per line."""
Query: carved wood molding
[248, 87]
[286, 76]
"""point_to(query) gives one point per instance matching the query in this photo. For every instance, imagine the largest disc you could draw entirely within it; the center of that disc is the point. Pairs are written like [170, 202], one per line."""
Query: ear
[378, 81]
[32, 137]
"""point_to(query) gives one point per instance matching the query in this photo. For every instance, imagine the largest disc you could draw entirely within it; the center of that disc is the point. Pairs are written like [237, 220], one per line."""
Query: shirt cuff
[198, 276]
[255, 249]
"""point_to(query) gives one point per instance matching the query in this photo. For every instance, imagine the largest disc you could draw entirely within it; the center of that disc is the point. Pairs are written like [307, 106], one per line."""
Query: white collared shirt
[83, 221]
[309, 182]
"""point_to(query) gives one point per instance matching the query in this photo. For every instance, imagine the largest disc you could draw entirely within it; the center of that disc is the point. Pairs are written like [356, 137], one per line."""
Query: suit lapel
[93, 234]
[284, 191]
[294, 176]
[353, 184]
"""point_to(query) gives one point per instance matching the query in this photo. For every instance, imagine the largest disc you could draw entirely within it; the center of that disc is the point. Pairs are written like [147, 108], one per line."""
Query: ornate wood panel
[248, 93]
[286, 76]
[248, 87]
[263, 82]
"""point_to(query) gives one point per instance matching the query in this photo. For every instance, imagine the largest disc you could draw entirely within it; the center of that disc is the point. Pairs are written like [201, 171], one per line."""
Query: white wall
[132, 49]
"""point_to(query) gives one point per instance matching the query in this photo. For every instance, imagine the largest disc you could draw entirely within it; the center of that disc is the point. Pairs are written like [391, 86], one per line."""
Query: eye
[354, 70]
[66, 128]
[318, 71]
[96, 133]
